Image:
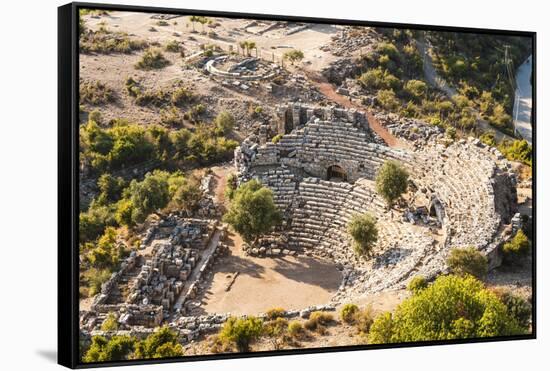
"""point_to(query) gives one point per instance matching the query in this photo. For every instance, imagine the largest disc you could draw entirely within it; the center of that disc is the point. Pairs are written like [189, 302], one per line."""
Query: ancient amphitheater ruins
[322, 172]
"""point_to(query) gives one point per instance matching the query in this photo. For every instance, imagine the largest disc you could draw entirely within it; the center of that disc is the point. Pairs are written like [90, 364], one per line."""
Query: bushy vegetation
[363, 230]
[452, 307]
[518, 307]
[417, 283]
[468, 261]
[104, 41]
[348, 312]
[117, 348]
[123, 145]
[318, 321]
[294, 55]
[252, 211]
[241, 332]
[161, 344]
[231, 186]
[95, 93]
[517, 150]
[295, 329]
[517, 248]
[152, 59]
[110, 323]
[274, 313]
[484, 80]
[391, 181]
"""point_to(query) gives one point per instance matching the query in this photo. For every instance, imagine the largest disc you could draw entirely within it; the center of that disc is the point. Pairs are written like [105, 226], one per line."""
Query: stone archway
[336, 172]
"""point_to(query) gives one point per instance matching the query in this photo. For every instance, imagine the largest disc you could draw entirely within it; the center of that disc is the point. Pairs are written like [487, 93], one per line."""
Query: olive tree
[252, 211]
[364, 232]
[391, 181]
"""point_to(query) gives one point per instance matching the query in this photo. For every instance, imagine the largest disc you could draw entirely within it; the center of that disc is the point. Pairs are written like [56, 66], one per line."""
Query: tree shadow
[311, 271]
[391, 256]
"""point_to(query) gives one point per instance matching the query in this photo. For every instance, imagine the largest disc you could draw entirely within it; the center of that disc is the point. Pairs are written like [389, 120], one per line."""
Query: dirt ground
[264, 283]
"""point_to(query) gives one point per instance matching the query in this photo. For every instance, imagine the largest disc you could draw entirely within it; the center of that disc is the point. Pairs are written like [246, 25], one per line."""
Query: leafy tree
[453, 307]
[252, 211]
[391, 181]
[117, 348]
[417, 283]
[107, 253]
[188, 195]
[148, 195]
[364, 232]
[468, 261]
[294, 55]
[162, 343]
[224, 123]
[241, 332]
[110, 188]
[517, 247]
[92, 223]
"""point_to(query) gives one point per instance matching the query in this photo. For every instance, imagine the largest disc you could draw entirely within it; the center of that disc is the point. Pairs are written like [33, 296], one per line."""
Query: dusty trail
[327, 89]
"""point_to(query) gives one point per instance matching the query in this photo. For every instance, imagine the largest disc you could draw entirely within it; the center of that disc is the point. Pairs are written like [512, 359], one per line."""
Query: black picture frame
[68, 195]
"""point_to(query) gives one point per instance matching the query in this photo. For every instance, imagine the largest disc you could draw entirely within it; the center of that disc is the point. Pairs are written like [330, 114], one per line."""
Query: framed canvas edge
[68, 196]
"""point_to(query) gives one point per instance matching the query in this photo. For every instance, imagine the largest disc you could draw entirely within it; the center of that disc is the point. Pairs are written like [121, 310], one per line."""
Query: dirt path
[327, 89]
[263, 283]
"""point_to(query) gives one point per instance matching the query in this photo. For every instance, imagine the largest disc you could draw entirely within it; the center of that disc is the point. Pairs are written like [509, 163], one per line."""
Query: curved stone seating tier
[461, 176]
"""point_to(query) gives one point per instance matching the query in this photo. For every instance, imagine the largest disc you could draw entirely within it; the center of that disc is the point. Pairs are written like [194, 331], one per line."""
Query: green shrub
[173, 46]
[107, 42]
[117, 348]
[95, 93]
[518, 308]
[162, 23]
[363, 320]
[295, 329]
[170, 117]
[363, 230]
[181, 96]
[417, 283]
[517, 247]
[276, 138]
[274, 313]
[110, 323]
[468, 261]
[348, 312]
[241, 332]
[391, 181]
[152, 59]
[453, 307]
[276, 327]
[517, 150]
[224, 123]
[160, 344]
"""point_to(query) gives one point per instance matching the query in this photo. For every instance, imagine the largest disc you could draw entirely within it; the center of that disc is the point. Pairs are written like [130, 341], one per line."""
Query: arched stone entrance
[336, 172]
